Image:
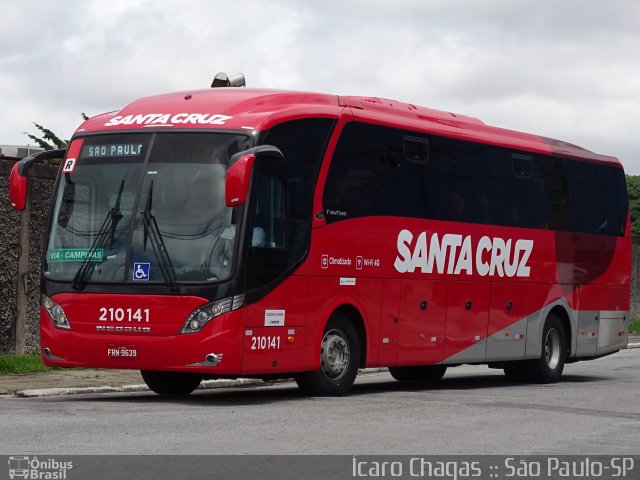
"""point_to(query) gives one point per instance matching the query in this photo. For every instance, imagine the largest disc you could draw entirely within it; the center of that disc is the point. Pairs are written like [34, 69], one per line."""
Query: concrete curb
[205, 385]
[633, 345]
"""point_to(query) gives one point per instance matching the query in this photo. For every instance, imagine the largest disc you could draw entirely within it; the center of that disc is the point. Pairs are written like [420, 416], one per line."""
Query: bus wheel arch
[355, 317]
[548, 367]
[562, 313]
[341, 354]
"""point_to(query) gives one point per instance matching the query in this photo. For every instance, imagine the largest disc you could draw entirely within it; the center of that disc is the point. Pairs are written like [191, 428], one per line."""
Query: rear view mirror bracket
[19, 172]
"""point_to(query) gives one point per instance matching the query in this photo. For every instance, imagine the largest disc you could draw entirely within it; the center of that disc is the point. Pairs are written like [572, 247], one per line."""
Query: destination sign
[74, 255]
[112, 150]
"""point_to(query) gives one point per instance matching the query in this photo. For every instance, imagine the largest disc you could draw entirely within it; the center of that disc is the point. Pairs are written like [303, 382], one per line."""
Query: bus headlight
[204, 314]
[56, 312]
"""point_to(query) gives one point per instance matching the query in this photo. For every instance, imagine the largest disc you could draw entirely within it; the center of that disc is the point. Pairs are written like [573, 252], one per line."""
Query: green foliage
[20, 364]
[49, 140]
[634, 327]
[633, 190]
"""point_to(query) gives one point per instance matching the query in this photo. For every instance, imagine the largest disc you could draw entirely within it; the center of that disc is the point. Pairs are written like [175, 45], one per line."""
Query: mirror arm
[261, 150]
[18, 180]
[24, 165]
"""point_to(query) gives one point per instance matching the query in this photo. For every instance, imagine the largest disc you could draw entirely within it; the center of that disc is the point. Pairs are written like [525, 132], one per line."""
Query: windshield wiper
[108, 226]
[152, 232]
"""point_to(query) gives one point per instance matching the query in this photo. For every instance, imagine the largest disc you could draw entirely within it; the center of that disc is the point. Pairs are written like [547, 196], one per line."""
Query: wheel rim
[552, 348]
[334, 354]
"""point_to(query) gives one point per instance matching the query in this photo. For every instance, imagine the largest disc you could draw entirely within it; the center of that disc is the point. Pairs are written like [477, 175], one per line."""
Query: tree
[49, 140]
[633, 190]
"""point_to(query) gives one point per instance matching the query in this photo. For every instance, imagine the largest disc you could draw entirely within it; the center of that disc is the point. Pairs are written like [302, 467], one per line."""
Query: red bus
[259, 233]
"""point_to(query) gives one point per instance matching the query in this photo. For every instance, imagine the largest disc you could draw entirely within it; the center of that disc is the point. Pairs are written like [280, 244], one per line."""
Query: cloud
[561, 69]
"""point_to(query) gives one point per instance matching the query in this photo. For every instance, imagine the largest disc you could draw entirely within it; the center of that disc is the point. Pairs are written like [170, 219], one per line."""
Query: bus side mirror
[238, 179]
[17, 189]
[18, 178]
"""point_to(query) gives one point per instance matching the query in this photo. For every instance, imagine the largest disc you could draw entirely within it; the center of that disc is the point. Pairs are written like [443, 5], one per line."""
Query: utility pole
[23, 271]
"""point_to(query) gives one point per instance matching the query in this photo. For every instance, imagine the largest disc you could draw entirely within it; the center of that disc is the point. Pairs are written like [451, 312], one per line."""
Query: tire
[548, 368]
[339, 360]
[171, 384]
[427, 374]
[515, 373]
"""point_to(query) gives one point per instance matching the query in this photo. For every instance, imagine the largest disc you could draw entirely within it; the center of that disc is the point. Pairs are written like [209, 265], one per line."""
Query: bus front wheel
[548, 367]
[173, 384]
[339, 360]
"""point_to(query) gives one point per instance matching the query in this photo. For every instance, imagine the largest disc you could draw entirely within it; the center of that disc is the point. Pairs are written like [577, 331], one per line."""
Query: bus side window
[407, 174]
[557, 192]
[355, 185]
[269, 222]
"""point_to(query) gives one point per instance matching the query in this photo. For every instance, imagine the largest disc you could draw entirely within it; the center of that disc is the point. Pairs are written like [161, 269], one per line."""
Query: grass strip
[21, 364]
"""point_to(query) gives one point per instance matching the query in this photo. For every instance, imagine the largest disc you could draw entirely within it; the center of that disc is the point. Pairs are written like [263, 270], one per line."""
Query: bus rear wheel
[339, 360]
[549, 366]
[427, 374]
[171, 384]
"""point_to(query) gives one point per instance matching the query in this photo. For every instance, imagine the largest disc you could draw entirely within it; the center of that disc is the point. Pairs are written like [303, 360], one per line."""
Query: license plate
[122, 351]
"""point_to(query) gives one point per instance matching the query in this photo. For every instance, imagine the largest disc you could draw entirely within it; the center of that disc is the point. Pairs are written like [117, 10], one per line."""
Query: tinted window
[384, 171]
[355, 183]
[408, 183]
[302, 143]
[594, 196]
[282, 202]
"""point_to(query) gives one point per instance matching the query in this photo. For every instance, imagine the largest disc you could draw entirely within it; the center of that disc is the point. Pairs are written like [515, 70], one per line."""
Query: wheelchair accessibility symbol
[141, 271]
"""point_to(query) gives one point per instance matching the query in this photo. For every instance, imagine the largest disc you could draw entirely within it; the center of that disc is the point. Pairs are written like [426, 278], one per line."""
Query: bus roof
[258, 109]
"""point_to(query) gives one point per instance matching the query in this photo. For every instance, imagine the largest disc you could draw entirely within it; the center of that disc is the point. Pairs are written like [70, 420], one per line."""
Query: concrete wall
[9, 228]
[42, 181]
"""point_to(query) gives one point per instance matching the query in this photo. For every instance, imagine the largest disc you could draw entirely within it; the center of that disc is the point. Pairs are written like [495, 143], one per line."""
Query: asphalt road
[595, 410]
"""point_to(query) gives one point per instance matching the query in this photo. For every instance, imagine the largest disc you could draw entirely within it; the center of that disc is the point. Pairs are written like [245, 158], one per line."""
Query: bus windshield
[144, 208]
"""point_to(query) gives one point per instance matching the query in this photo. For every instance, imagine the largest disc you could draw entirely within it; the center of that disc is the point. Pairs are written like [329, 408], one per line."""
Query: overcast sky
[563, 68]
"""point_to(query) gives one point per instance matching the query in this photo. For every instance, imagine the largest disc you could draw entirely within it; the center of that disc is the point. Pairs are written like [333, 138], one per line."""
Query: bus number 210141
[265, 343]
[140, 315]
